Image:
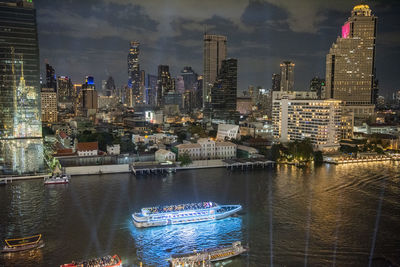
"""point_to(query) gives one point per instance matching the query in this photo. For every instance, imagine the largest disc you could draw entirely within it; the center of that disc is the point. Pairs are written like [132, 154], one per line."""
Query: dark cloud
[92, 36]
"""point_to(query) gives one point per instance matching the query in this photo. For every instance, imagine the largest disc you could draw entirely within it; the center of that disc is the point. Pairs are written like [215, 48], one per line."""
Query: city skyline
[175, 38]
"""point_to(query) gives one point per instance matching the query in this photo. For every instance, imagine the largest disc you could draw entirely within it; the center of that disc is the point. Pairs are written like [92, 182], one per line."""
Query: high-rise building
[21, 145]
[78, 107]
[350, 63]
[89, 97]
[213, 55]
[276, 82]
[50, 77]
[287, 76]
[110, 87]
[319, 120]
[317, 85]
[189, 78]
[164, 83]
[65, 89]
[151, 90]
[134, 71]
[224, 91]
[49, 105]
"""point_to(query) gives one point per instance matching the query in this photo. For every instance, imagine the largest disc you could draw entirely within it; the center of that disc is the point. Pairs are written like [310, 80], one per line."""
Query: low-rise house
[87, 149]
[227, 131]
[113, 149]
[163, 155]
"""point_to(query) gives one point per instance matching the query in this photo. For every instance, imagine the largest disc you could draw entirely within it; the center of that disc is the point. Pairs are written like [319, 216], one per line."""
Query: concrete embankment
[97, 169]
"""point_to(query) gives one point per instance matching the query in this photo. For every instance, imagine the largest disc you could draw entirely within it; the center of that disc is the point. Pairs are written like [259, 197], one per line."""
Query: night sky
[91, 37]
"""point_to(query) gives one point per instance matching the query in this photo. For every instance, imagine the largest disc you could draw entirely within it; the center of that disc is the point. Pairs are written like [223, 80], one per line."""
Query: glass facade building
[20, 113]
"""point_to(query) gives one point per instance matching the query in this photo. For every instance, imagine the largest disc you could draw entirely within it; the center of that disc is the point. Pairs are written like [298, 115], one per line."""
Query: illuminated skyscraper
[350, 63]
[89, 97]
[21, 148]
[164, 83]
[65, 89]
[134, 71]
[213, 54]
[287, 76]
[49, 105]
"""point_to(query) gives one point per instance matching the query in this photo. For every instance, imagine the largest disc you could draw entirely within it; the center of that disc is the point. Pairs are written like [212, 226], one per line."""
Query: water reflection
[156, 244]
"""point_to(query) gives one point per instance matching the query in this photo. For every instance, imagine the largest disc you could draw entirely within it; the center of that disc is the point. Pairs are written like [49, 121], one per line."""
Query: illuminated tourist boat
[24, 243]
[58, 179]
[106, 261]
[199, 258]
[183, 213]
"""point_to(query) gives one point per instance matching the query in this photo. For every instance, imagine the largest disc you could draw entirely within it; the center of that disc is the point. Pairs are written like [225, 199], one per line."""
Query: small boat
[106, 261]
[3, 181]
[208, 255]
[58, 179]
[24, 243]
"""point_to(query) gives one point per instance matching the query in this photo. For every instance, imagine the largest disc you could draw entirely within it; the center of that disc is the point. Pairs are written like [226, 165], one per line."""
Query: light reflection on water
[156, 244]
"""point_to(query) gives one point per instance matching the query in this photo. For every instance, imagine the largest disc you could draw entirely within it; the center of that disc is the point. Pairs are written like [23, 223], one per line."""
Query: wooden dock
[152, 168]
[246, 164]
[27, 177]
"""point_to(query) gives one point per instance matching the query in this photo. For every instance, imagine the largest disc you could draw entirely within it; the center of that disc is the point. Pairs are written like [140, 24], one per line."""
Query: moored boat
[58, 179]
[21, 244]
[183, 213]
[208, 255]
[3, 181]
[106, 261]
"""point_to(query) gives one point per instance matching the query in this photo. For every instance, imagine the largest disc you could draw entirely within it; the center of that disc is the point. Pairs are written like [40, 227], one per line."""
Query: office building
[134, 73]
[213, 54]
[109, 87]
[350, 63]
[49, 105]
[50, 77]
[89, 97]
[296, 119]
[65, 89]
[164, 83]
[151, 90]
[276, 82]
[21, 145]
[317, 85]
[224, 91]
[287, 76]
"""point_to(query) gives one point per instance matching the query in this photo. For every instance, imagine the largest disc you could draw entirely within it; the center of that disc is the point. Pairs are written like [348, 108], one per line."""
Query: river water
[324, 216]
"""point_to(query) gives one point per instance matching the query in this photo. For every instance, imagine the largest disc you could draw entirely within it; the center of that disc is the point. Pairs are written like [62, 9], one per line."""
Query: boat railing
[178, 208]
[23, 241]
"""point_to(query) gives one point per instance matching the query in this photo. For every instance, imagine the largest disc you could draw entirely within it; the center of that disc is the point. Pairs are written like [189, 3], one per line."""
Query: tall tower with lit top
[350, 63]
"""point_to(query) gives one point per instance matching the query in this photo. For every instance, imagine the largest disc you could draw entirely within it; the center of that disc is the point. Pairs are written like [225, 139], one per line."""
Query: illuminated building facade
[213, 54]
[165, 84]
[296, 119]
[65, 89]
[276, 82]
[134, 73]
[49, 105]
[317, 85]
[350, 63]
[21, 148]
[287, 76]
[89, 97]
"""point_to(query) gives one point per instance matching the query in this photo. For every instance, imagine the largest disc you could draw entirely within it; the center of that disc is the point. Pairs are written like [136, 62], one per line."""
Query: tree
[181, 136]
[184, 159]
[318, 157]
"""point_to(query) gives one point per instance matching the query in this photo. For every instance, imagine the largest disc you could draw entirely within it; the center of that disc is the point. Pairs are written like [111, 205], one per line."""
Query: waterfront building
[163, 155]
[227, 131]
[49, 105]
[113, 149]
[214, 52]
[134, 74]
[287, 76]
[21, 149]
[296, 119]
[224, 91]
[350, 63]
[207, 149]
[85, 149]
[164, 84]
[247, 152]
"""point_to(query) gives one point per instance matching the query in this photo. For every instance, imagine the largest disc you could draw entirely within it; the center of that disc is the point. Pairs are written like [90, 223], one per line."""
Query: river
[323, 216]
